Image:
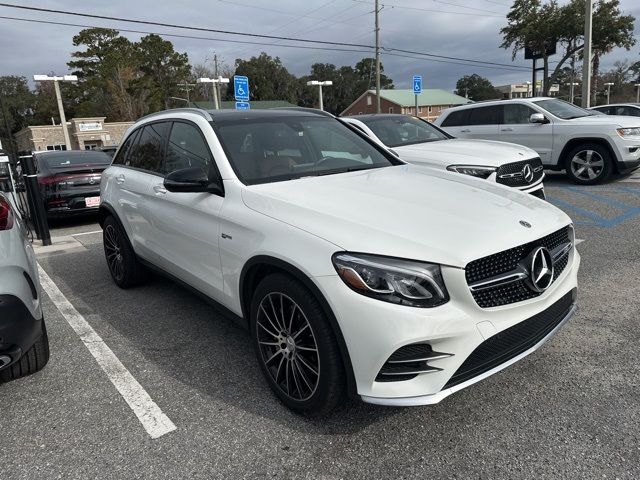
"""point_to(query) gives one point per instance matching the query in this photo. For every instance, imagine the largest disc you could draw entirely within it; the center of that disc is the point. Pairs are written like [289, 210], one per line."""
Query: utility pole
[216, 86]
[377, 56]
[586, 62]
[187, 87]
[63, 119]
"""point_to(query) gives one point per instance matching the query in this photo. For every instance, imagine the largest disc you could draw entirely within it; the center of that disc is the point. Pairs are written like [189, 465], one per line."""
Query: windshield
[403, 130]
[264, 150]
[562, 109]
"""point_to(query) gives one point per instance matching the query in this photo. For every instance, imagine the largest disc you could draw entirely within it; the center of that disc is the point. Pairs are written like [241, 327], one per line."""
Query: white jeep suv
[417, 141]
[589, 147]
[354, 272]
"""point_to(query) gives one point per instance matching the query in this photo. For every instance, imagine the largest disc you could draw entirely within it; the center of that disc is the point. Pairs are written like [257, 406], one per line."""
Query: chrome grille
[512, 175]
[508, 261]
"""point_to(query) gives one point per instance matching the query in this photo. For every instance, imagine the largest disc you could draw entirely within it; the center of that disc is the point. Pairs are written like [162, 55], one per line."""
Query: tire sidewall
[331, 371]
[606, 157]
[129, 261]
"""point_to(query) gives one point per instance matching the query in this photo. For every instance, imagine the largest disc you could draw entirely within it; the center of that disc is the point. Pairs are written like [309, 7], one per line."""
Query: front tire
[296, 347]
[589, 164]
[125, 268]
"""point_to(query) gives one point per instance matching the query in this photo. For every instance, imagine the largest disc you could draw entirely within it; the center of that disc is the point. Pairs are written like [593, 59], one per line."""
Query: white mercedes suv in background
[588, 146]
[354, 272]
[418, 141]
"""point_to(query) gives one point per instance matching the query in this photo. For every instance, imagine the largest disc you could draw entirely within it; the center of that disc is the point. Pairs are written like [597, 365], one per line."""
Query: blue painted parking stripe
[609, 201]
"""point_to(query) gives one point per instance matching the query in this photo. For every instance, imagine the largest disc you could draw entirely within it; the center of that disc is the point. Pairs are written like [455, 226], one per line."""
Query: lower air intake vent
[408, 362]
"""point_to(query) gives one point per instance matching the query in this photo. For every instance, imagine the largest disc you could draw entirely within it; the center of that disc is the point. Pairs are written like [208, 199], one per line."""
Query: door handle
[120, 179]
[466, 130]
[159, 189]
[506, 129]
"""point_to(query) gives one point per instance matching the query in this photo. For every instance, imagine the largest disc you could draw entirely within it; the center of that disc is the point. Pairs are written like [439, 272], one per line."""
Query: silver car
[24, 347]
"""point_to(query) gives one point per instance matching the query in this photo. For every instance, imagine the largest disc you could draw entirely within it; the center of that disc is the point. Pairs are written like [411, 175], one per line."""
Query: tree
[538, 25]
[18, 105]
[268, 78]
[477, 88]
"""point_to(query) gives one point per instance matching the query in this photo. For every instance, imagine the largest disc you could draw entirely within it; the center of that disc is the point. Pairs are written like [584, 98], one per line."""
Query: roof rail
[199, 111]
[308, 110]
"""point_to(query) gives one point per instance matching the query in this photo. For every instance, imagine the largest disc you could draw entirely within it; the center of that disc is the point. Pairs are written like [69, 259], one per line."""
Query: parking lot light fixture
[608, 85]
[214, 82]
[63, 119]
[572, 89]
[325, 83]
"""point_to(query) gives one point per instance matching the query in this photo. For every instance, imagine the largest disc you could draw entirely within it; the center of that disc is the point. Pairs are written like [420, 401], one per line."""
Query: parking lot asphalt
[570, 410]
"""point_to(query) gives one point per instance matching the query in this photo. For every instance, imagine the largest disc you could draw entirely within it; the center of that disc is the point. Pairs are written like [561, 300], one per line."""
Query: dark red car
[70, 180]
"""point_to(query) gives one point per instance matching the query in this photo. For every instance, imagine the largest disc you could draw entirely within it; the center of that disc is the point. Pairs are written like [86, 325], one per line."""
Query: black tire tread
[134, 272]
[335, 390]
[32, 361]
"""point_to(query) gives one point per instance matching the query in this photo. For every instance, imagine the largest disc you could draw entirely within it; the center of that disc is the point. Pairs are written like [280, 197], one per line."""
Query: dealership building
[84, 133]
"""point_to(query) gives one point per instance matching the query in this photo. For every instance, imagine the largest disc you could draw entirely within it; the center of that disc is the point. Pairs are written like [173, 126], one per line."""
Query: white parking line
[155, 422]
[86, 233]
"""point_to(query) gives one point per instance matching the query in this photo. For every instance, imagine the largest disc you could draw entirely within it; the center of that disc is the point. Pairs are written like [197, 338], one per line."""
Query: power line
[430, 10]
[256, 35]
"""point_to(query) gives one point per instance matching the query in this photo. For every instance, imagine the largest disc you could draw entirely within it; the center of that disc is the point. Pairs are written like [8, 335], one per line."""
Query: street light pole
[586, 62]
[608, 85]
[56, 86]
[377, 6]
[637, 85]
[214, 82]
[572, 90]
[326, 83]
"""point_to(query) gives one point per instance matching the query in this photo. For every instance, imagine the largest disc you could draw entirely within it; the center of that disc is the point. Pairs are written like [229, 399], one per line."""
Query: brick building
[431, 102]
[84, 133]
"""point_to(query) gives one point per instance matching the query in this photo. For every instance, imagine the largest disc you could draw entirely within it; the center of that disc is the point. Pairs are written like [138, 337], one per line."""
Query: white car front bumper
[373, 330]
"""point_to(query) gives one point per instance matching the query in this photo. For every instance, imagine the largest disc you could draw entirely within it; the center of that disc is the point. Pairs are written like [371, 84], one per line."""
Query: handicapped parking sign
[241, 88]
[243, 106]
[417, 84]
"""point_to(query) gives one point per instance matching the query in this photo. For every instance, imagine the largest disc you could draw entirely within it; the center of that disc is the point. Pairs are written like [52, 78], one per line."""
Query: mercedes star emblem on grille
[525, 224]
[541, 270]
[527, 173]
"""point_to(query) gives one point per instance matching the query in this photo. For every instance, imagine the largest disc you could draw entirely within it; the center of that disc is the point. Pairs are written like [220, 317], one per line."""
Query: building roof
[256, 105]
[429, 96]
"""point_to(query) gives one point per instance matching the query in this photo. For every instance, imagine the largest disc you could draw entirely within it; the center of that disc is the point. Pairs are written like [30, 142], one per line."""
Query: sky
[468, 29]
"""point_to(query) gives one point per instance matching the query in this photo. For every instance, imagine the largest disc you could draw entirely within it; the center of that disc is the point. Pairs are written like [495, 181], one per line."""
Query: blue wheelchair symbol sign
[417, 84]
[241, 88]
[243, 106]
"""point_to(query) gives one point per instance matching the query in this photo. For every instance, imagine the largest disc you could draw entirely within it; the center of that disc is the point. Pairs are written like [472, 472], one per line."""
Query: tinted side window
[486, 115]
[515, 113]
[457, 118]
[121, 157]
[147, 154]
[186, 148]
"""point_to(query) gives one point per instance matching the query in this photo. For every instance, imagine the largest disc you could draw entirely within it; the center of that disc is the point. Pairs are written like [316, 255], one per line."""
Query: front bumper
[374, 330]
[628, 154]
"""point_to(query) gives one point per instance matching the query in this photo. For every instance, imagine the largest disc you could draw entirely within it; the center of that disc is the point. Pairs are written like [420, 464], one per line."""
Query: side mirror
[538, 118]
[194, 179]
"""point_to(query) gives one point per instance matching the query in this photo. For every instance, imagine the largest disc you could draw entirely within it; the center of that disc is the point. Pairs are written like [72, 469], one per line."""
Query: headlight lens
[404, 282]
[473, 170]
[629, 132]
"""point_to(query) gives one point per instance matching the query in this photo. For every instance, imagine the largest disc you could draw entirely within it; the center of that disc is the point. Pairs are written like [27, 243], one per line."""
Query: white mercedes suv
[588, 146]
[354, 272]
[417, 141]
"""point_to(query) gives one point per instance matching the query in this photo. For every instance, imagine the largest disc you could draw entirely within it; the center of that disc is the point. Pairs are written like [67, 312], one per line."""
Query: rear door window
[121, 157]
[148, 152]
[491, 115]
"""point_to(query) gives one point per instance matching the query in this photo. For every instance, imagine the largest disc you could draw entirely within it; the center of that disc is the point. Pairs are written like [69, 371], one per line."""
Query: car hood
[617, 120]
[458, 151]
[408, 211]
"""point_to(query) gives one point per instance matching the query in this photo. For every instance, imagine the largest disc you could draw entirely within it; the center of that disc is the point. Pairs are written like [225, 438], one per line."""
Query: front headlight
[629, 132]
[473, 170]
[404, 282]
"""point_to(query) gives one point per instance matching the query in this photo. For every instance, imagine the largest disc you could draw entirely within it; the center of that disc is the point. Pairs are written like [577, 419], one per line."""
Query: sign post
[417, 89]
[241, 92]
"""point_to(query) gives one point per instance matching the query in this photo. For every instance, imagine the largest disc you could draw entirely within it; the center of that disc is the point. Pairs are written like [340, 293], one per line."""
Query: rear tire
[124, 266]
[296, 347]
[31, 362]
[589, 164]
